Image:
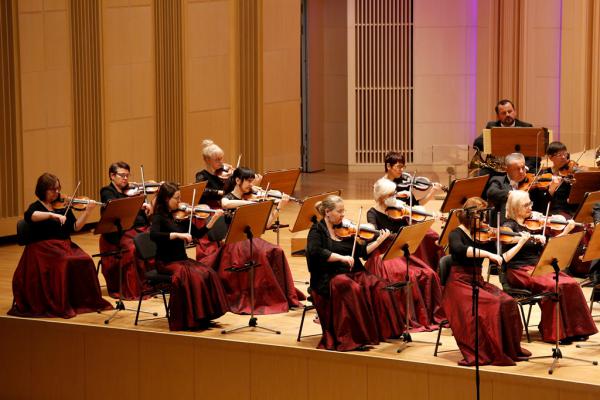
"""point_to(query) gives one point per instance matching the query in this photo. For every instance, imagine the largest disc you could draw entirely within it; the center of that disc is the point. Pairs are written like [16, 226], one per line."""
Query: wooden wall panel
[46, 94]
[129, 85]
[87, 95]
[169, 89]
[210, 80]
[281, 84]
[10, 163]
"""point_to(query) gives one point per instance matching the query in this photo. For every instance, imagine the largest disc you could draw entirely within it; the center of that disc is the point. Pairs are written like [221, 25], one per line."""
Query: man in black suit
[506, 116]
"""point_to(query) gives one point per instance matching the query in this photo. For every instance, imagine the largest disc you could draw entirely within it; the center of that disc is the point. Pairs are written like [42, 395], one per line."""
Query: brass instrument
[491, 162]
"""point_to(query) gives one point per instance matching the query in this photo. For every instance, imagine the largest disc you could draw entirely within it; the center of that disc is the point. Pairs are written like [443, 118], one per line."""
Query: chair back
[145, 247]
[444, 268]
[24, 233]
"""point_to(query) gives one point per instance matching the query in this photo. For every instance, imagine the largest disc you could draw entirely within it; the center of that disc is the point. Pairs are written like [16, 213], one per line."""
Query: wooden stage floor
[572, 379]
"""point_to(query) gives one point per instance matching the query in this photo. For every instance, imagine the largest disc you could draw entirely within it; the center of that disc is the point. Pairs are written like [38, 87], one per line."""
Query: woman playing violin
[427, 293]
[500, 325]
[54, 278]
[353, 309]
[560, 188]
[131, 267]
[215, 173]
[197, 295]
[521, 258]
[275, 291]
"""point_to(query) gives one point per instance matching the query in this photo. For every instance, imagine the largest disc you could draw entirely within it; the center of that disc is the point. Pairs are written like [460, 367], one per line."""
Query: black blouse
[459, 242]
[558, 200]
[213, 185]
[381, 221]
[110, 192]
[171, 250]
[49, 228]
[529, 253]
[319, 247]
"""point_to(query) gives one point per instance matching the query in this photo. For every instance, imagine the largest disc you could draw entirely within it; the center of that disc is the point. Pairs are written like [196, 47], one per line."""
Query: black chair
[307, 307]
[24, 233]
[443, 272]
[157, 283]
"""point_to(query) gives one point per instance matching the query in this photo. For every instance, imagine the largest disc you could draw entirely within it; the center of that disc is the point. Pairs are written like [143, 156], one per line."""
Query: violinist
[560, 188]
[197, 295]
[395, 164]
[353, 309]
[54, 278]
[521, 258]
[500, 186]
[132, 268]
[276, 292]
[427, 291]
[500, 325]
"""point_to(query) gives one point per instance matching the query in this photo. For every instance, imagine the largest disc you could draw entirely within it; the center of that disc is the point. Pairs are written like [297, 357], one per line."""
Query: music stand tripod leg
[253, 321]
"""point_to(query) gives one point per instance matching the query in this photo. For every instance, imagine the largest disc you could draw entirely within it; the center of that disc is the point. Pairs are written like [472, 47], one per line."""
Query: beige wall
[210, 108]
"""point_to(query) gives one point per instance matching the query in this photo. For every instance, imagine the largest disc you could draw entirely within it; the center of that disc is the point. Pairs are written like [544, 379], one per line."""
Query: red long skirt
[500, 326]
[274, 290]
[358, 312]
[197, 295]
[426, 287]
[132, 267]
[55, 278]
[429, 250]
[574, 313]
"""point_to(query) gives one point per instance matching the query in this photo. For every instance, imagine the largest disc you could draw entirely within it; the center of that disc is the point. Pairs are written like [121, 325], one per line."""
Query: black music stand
[119, 216]
[187, 192]
[584, 212]
[557, 255]
[588, 181]
[462, 189]
[406, 243]
[249, 221]
[308, 213]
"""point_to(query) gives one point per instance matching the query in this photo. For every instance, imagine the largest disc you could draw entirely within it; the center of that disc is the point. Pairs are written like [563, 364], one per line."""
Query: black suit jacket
[497, 194]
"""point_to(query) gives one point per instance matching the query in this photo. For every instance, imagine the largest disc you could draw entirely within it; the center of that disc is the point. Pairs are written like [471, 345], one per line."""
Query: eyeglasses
[562, 154]
[56, 190]
[122, 175]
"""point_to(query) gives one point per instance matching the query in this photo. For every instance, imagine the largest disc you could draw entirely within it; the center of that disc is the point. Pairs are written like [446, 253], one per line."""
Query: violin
[554, 222]
[224, 172]
[401, 211]
[79, 203]
[134, 189]
[275, 194]
[532, 181]
[201, 211]
[569, 169]
[420, 183]
[347, 230]
[485, 234]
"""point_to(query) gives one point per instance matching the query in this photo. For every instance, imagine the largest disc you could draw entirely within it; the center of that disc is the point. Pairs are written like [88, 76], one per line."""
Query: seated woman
[197, 295]
[395, 163]
[576, 321]
[353, 307]
[427, 291]
[54, 278]
[131, 267]
[274, 285]
[500, 325]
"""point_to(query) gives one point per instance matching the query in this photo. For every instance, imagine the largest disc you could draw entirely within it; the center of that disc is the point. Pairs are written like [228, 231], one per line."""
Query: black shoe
[566, 341]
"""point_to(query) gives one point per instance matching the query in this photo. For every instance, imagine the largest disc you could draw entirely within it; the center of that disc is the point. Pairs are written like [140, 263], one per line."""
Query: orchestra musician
[215, 173]
[394, 165]
[132, 268]
[426, 290]
[506, 117]
[500, 325]
[353, 309]
[54, 278]
[521, 258]
[273, 279]
[500, 186]
[197, 295]
[560, 188]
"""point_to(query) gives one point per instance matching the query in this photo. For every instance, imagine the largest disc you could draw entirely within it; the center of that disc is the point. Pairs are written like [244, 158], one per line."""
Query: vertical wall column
[87, 94]
[169, 89]
[250, 82]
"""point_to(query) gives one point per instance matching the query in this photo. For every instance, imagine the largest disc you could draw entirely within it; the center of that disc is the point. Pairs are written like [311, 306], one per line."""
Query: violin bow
[71, 199]
[535, 177]
[238, 162]
[410, 202]
[546, 219]
[144, 184]
[356, 235]
[192, 212]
